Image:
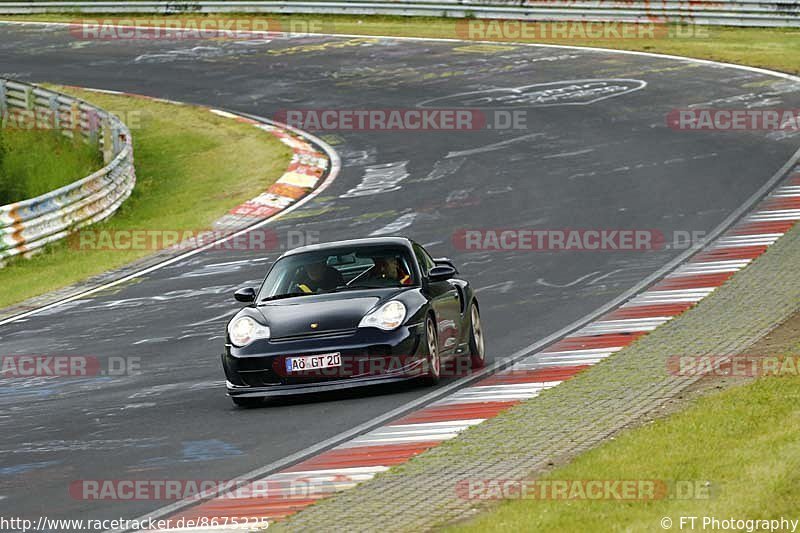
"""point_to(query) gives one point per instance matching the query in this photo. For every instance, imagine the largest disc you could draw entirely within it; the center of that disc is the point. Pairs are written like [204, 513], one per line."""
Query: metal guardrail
[772, 13]
[27, 226]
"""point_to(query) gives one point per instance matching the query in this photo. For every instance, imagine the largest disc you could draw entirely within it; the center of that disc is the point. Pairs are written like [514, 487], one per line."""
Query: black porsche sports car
[348, 314]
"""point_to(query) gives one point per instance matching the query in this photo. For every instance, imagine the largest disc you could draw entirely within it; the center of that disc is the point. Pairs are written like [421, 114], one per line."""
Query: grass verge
[34, 162]
[742, 441]
[773, 48]
[192, 167]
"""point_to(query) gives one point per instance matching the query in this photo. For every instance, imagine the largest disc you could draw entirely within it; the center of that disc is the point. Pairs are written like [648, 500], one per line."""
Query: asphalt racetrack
[595, 160]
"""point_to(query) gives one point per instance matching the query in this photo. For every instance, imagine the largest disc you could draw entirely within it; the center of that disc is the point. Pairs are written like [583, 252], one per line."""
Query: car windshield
[338, 269]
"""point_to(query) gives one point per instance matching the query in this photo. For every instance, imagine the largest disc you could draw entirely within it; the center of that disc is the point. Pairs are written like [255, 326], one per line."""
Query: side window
[424, 260]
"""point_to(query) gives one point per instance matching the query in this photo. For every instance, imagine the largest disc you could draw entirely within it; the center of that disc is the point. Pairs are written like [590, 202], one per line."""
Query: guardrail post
[54, 110]
[118, 137]
[3, 103]
[30, 105]
[108, 141]
[92, 127]
[30, 99]
[75, 118]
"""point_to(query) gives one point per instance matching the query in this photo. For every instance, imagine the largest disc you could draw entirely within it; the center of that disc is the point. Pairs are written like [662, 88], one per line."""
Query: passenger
[388, 268]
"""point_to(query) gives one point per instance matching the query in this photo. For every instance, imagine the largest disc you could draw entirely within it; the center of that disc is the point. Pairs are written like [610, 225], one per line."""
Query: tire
[477, 347]
[246, 402]
[434, 361]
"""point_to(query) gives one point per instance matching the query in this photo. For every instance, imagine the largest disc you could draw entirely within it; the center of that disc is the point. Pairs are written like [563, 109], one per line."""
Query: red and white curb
[364, 456]
[306, 169]
[305, 172]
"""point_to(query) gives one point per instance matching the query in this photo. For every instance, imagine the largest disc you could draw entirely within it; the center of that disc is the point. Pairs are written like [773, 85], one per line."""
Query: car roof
[368, 241]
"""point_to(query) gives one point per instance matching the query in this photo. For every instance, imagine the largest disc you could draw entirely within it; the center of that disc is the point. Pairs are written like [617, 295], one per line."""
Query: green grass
[34, 162]
[742, 440]
[774, 48]
[192, 167]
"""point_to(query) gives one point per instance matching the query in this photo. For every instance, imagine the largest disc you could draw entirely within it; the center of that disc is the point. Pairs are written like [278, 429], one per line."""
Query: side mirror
[246, 295]
[441, 273]
[445, 261]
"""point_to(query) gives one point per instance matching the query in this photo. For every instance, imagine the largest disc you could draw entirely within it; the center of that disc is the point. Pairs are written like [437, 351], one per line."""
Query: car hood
[331, 312]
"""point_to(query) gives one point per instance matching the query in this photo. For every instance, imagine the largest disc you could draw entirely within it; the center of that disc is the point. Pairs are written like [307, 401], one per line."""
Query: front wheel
[434, 362]
[477, 349]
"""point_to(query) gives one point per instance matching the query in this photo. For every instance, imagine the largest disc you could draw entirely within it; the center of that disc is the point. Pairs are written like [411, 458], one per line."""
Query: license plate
[313, 362]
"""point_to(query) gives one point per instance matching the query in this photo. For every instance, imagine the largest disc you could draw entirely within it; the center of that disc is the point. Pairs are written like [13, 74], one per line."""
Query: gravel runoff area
[573, 417]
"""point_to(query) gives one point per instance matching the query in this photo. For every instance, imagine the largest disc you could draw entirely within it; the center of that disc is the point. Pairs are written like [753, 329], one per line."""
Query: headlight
[244, 330]
[387, 317]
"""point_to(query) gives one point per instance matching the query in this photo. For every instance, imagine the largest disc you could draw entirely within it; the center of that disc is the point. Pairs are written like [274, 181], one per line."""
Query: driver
[319, 276]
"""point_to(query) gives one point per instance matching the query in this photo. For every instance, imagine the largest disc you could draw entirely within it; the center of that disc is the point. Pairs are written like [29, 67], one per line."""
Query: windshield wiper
[357, 287]
[282, 296]
[370, 268]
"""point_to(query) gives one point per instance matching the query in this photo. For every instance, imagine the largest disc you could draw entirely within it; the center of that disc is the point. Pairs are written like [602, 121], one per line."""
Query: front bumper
[369, 357]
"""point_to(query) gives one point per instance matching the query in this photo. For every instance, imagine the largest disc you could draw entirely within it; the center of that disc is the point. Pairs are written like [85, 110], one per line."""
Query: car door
[445, 300]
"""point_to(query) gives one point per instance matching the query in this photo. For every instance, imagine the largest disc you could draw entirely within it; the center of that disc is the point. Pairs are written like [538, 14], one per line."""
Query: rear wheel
[247, 402]
[477, 350]
[434, 361]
